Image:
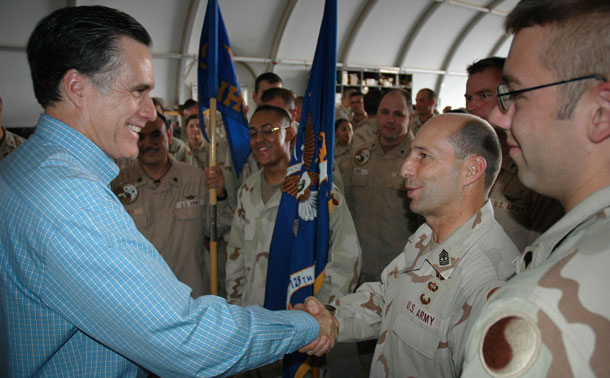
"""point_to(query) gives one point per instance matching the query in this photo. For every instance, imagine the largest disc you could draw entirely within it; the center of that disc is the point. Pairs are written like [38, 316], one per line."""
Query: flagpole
[213, 202]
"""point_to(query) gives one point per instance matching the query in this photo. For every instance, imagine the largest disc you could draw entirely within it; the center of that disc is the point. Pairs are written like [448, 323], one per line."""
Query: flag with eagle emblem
[299, 247]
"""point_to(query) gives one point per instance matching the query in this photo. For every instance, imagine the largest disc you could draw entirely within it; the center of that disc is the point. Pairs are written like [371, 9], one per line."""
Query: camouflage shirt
[251, 234]
[9, 142]
[428, 299]
[553, 318]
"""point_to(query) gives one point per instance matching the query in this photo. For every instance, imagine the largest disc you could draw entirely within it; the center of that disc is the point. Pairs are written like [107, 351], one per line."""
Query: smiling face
[114, 119]
[432, 171]
[538, 142]
[269, 139]
[153, 143]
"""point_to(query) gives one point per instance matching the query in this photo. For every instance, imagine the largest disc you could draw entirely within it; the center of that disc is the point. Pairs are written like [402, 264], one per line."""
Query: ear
[291, 133]
[473, 169]
[599, 129]
[75, 86]
[169, 135]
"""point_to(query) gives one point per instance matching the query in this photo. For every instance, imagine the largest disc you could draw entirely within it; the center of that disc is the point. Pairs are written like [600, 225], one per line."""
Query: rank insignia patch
[443, 258]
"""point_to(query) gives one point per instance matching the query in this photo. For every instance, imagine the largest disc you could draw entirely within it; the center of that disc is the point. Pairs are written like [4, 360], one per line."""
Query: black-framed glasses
[505, 96]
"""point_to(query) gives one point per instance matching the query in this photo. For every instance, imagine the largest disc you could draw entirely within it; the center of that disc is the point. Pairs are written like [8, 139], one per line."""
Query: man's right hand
[329, 327]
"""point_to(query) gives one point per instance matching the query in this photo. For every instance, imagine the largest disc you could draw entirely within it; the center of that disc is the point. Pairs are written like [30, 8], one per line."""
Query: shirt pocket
[424, 340]
[139, 217]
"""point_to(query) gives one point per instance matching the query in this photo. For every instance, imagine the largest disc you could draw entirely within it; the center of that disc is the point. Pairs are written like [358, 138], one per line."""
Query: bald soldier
[430, 294]
[553, 318]
[375, 192]
[168, 203]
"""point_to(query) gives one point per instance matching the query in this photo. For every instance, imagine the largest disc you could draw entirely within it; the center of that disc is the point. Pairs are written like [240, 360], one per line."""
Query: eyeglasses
[266, 131]
[505, 96]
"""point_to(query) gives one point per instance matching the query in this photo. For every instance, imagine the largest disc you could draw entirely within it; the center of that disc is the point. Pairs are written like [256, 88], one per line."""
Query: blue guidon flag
[299, 248]
[217, 79]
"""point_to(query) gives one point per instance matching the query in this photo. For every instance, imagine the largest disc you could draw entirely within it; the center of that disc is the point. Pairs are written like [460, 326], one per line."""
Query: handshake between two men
[329, 327]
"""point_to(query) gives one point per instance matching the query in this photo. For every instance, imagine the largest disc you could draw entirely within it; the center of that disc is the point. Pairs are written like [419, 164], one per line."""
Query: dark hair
[270, 77]
[279, 112]
[477, 137]
[356, 93]
[286, 95]
[479, 66]
[189, 104]
[339, 122]
[576, 46]
[348, 92]
[406, 95]
[164, 119]
[371, 100]
[82, 38]
[431, 94]
[189, 118]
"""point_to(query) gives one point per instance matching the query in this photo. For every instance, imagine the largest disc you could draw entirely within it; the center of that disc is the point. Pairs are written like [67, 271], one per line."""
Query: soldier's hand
[215, 179]
[329, 327]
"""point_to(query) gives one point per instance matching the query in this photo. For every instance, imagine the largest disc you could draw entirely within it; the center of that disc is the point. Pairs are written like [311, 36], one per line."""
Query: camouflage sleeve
[231, 185]
[360, 314]
[235, 266]
[343, 268]
[224, 216]
[338, 177]
[463, 320]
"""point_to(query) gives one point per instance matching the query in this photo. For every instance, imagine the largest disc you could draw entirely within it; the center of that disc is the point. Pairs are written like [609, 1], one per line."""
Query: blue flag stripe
[217, 79]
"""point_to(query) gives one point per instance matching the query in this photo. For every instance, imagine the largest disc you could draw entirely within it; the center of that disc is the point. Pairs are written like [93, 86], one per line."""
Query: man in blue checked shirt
[82, 292]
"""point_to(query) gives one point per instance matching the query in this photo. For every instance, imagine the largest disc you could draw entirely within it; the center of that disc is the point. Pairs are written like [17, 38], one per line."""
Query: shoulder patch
[510, 346]
[127, 193]
[336, 198]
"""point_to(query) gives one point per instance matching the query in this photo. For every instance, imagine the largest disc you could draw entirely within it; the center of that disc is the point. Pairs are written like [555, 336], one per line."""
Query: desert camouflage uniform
[251, 234]
[416, 123]
[342, 153]
[522, 213]
[344, 112]
[9, 142]
[366, 132]
[553, 318]
[173, 217]
[428, 299]
[377, 198]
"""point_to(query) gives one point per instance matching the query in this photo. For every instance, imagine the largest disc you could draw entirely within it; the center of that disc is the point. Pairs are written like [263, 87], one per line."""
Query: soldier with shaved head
[430, 295]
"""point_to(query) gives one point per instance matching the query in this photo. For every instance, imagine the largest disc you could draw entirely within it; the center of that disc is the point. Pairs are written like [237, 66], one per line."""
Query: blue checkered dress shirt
[84, 294]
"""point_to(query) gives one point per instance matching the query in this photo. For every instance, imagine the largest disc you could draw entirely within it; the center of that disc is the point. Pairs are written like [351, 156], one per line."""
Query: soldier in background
[429, 296]
[168, 203]
[8, 140]
[523, 213]
[553, 318]
[425, 108]
[254, 220]
[344, 109]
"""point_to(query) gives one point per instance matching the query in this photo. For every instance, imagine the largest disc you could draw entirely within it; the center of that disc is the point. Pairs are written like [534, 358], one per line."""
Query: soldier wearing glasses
[523, 213]
[258, 200]
[553, 318]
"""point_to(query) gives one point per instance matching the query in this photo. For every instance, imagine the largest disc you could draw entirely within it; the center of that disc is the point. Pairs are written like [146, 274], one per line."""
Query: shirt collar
[79, 146]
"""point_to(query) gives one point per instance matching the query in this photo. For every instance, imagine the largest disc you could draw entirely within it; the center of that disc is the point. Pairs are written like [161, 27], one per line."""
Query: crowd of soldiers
[466, 242]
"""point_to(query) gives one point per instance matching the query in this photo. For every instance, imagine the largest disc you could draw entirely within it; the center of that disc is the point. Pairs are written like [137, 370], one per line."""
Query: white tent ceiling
[432, 39]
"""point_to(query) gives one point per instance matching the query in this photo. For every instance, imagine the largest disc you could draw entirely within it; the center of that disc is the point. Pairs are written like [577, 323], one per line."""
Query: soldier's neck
[156, 171]
[275, 174]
